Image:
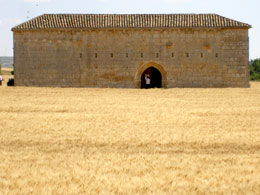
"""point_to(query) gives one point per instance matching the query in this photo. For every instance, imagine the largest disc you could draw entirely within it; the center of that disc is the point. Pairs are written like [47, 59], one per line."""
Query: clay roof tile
[89, 21]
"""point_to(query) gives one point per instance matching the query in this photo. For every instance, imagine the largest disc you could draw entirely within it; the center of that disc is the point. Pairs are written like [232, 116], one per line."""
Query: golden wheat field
[129, 141]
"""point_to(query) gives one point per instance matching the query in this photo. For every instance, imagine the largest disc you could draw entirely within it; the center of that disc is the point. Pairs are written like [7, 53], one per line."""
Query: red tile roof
[103, 21]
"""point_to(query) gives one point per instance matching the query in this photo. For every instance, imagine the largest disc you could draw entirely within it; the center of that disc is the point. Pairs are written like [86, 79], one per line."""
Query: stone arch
[143, 67]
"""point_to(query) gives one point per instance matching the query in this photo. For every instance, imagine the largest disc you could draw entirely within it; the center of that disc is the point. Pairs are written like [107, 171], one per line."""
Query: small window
[126, 55]
[96, 55]
[172, 55]
[142, 55]
[112, 55]
[187, 55]
[80, 55]
[157, 55]
[201, 55]
[216, 55]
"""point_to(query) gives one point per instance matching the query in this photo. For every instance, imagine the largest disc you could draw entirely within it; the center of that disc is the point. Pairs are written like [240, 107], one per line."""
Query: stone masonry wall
[117, 58]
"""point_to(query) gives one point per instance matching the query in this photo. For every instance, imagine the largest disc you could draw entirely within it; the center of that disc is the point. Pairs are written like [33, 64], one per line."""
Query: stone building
[120, 50]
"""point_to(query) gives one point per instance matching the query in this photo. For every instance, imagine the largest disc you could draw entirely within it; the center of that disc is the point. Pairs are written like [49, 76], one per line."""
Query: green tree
[255, 69]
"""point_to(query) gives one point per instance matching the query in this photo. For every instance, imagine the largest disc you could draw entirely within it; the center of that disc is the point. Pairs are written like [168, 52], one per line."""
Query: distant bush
[255, 70]
[10, 82]
[12, 72]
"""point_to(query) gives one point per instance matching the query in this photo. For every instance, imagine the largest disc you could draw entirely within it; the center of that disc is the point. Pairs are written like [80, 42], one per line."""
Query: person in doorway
[1, 80]
[147, 81]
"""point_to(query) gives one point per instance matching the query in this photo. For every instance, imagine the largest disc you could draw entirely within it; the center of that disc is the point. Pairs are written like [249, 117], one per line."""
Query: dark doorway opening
[154, 76]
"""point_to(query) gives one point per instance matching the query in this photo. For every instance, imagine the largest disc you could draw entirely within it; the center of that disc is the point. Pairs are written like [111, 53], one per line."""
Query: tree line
[255, 69]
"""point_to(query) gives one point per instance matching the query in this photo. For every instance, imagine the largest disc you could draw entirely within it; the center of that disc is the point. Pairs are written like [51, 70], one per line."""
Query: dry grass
[6, 71]
[126, 141]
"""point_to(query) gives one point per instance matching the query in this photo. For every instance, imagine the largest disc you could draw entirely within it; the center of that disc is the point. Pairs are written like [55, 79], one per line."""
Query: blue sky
[13, 12]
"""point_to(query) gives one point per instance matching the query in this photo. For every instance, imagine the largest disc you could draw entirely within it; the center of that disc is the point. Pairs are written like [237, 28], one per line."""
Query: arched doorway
[142, 68]
[155, 77]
